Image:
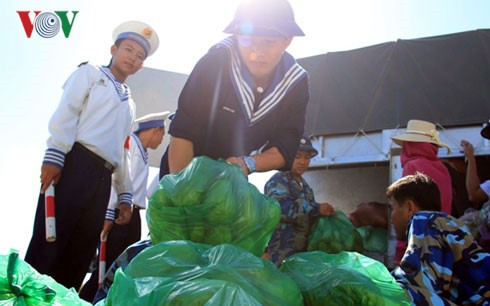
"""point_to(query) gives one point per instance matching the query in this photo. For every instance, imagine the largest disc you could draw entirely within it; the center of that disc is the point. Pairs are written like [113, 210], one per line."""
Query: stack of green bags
[187, 273]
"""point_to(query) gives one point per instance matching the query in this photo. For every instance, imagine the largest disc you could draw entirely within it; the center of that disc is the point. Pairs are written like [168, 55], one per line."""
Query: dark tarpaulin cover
[443, 79]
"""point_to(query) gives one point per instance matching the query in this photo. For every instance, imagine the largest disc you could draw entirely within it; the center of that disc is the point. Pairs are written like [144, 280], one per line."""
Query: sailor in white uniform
[85, 147]
[148, 134]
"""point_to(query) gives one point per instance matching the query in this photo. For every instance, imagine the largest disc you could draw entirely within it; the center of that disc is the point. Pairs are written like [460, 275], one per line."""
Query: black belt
[98, 160]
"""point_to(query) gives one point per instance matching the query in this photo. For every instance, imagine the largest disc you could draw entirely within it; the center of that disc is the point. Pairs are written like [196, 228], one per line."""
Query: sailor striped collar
[121, 88]
[143, 151]
[288, 74]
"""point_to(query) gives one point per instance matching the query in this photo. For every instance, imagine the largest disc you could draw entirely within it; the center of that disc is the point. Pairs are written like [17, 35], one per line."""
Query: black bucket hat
[264, 18]
[485, 132]
[305, 145]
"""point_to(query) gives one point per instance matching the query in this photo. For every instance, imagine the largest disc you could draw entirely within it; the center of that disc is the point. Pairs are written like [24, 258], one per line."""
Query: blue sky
[32, 70]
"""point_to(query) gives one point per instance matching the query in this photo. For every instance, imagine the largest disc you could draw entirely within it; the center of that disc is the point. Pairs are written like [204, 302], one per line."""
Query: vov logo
[47, 24]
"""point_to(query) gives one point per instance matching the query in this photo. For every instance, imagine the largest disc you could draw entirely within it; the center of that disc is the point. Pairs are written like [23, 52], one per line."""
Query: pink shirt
[422, 157]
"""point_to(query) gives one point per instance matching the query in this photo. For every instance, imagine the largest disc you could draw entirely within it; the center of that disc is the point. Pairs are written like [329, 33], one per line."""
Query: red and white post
[49, 214]
[102, 262]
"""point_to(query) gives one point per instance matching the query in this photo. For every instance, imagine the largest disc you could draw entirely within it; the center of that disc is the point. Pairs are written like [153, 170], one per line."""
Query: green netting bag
[187, 273]
[346, 278]
[334, 234]
[374, 239]
[22, 285]
[211, 202]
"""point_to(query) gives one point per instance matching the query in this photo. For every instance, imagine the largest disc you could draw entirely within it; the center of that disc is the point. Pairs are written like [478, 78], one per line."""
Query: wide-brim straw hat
[420, 131]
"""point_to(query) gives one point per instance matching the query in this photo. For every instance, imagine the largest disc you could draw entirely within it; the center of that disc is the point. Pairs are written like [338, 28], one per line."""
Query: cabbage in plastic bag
[22, 285]
[187, 273]
[346, 278]
[211, 201]
[334, 234]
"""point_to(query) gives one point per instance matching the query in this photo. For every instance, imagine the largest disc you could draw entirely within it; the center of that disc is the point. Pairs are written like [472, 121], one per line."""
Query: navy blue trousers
[81, 198]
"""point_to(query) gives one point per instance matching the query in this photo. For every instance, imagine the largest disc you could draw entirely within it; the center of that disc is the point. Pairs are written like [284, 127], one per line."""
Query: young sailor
[148, 135]
[86, 145]
[245, 100]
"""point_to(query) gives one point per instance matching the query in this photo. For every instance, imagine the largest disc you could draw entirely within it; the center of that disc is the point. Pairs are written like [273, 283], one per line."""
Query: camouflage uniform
[443, 265]
[298, 211]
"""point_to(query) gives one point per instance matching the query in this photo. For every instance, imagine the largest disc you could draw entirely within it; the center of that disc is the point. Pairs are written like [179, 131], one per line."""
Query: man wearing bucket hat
[299, 209]
[245, 95]
[120, 234]
[420, 144]
[86, 145]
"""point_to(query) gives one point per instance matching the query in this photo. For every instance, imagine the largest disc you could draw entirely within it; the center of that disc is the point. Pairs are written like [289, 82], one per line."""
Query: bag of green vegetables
[22, 285]
[187, 273]
[334, 234]
[346, 278]
[211, 201]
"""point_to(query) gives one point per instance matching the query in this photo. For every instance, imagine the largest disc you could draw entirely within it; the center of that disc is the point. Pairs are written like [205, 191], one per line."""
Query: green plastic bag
[187, 273]
[22, 285]
[334, 234]
[346, 278]
[374, 239]
[211, 202]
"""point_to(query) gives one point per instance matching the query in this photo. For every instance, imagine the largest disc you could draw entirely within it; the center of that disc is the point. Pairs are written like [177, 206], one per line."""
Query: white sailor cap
[151, 121]
[139, 32]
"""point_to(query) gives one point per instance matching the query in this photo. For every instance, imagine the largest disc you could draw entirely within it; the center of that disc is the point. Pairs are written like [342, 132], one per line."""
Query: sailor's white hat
[151, 120]
[139, 32]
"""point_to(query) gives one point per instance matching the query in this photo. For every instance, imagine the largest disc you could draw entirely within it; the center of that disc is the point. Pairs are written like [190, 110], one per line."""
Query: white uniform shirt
[139, 170]
[152, 187]
[97, 111]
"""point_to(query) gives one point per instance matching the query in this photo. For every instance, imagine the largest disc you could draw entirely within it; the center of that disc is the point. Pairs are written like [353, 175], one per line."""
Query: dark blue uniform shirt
[212, 117]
